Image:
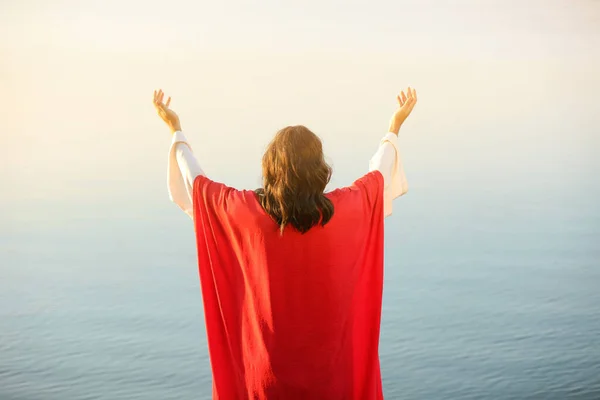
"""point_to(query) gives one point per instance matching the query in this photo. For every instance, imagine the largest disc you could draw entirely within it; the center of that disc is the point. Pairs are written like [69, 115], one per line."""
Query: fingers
[407, 100]
[159, 95]
[412, 96]
[412, 100]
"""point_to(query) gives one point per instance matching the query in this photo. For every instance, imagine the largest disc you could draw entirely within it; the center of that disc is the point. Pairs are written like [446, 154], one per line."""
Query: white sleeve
[182, 169]
[388, 161]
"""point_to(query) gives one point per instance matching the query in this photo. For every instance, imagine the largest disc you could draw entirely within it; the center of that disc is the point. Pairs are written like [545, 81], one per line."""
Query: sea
[491, 292]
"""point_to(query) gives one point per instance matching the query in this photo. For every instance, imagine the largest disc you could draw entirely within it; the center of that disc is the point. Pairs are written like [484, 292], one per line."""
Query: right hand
[164, 112]
[406, 103]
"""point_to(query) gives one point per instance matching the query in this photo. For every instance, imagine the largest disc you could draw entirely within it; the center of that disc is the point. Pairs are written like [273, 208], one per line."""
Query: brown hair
[294, 178]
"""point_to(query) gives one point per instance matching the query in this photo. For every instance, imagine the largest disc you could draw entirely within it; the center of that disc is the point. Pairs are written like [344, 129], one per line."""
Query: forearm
[182, 170]
[383, 161]
[188, 165]
[388, 161]
[394, 126]
[175, 127]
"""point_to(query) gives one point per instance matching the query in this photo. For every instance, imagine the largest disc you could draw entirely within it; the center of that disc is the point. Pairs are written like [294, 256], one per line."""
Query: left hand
[406, 103]
[167, 115]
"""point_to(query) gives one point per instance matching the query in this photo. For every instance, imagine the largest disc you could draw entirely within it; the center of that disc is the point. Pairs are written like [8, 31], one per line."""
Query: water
[492, 282]
[486, 296]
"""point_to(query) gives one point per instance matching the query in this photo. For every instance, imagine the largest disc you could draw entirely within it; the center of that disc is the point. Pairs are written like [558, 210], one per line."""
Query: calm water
[492, 282]
[485, 297]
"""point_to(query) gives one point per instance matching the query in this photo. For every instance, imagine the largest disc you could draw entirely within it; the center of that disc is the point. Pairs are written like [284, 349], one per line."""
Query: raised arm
[387, 159]
[182, 167]
[182, 170]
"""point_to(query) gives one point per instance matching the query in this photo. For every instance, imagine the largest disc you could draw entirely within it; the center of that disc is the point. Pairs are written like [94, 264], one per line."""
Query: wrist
[175, 128]
[394, 127]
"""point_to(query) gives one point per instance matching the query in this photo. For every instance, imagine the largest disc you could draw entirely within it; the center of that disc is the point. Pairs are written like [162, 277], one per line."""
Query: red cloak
[292, 316]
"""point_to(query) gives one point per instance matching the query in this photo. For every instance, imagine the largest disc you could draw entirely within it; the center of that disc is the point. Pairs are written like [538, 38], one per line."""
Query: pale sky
[494, 78]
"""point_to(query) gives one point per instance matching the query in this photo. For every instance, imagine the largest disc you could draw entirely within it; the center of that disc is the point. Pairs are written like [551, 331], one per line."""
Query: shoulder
[212, 191]
[207, 190]
[369, 184]
[365, 193]
[370, 181]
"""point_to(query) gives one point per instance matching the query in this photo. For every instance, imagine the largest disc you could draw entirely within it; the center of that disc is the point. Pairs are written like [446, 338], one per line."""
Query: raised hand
[164, 112]
[406, 103]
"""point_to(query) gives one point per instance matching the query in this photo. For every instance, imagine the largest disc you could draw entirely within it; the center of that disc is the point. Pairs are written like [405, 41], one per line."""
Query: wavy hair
[294, 178]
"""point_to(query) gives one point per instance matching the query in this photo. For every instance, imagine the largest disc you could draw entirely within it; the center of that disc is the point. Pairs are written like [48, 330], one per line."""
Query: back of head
[295, 175]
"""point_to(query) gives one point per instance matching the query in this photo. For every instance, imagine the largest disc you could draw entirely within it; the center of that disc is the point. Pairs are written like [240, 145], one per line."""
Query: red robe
[293, 316]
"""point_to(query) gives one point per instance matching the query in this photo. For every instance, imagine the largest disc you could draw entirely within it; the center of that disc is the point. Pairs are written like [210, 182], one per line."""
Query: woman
[291, 277]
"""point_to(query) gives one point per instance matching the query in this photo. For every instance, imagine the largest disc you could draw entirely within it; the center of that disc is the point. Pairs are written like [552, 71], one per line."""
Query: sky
[504, 86]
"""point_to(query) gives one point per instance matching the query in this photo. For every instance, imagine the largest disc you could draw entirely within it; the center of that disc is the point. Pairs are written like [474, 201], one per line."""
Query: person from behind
[291, 275]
